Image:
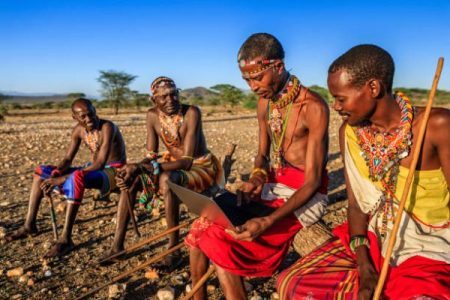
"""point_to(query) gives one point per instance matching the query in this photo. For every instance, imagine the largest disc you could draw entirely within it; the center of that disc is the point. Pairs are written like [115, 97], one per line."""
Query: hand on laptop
[251, 229]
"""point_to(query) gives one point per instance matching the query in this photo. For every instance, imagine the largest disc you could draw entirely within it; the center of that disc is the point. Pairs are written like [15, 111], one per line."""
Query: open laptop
[223, 209]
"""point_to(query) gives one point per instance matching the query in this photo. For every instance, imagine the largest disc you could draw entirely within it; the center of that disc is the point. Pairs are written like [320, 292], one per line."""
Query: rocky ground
[28, 140]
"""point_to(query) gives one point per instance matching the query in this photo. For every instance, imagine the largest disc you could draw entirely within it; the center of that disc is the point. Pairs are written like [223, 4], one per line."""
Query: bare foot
[60, 249]
[21, 233]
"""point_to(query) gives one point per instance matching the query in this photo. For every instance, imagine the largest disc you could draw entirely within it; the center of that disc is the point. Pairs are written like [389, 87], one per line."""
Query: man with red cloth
[293, 123]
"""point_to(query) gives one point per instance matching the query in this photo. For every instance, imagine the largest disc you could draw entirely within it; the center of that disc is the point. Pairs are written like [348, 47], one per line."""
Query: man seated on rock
[187, 162]
[107, 147]
[377, 136]
[293, 122]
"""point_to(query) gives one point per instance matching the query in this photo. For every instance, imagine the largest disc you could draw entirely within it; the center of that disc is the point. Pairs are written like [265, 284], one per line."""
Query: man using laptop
[291, 179]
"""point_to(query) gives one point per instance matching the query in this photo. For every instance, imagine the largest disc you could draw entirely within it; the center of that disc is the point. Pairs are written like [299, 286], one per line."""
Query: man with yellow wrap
[376, 139]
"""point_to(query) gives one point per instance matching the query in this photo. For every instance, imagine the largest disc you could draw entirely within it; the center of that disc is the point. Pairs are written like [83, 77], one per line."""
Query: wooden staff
[199, 283]
[53, 217]
[131, 212]
[137, 268]
[144, 242]
[412, 168]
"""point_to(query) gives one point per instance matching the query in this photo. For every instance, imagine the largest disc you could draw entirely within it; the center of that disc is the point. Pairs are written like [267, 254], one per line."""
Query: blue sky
[60, 46]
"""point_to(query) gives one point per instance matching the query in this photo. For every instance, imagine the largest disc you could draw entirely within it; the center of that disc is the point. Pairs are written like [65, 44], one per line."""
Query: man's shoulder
[439, 120]
[315, 99]
[107, 124]
[191, 110]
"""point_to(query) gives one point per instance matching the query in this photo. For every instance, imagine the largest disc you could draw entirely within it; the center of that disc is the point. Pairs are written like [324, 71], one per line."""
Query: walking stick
[200, 283]
[412, 168]
[144, 242]
[53, 217]
[131, 212]
[137, 268]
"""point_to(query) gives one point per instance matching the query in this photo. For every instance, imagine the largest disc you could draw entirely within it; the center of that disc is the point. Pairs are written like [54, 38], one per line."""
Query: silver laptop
[201, 205]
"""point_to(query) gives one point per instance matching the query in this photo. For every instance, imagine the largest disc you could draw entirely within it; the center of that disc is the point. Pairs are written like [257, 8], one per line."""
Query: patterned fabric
[79, 180]
[260, 257]
[205, 172]
[331, 273]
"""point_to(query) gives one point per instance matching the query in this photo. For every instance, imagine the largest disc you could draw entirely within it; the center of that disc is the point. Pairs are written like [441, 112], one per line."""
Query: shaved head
[82, 102]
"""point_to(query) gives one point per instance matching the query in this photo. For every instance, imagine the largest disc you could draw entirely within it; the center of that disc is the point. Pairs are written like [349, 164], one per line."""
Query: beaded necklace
[276, 121]
[383, 151]
[91, 140]
[170, 127]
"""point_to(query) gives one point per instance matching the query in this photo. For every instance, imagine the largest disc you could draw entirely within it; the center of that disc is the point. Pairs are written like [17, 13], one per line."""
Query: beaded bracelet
[151, 155]
[358, 240]
[257, 171]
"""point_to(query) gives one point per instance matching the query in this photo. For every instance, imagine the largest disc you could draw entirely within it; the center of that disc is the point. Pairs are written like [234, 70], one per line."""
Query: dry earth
[33, 139]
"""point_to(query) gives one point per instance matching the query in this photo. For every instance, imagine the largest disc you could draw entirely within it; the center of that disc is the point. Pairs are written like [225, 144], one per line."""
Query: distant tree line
[116, 93]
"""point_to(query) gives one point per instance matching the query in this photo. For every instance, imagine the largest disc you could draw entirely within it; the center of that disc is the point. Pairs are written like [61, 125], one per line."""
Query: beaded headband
[163, 82]
[258, 65]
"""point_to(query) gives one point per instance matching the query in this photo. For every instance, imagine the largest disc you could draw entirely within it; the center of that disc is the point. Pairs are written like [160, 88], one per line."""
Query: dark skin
[374, 103]
[307, 151]
[112, 148]
[192, 144]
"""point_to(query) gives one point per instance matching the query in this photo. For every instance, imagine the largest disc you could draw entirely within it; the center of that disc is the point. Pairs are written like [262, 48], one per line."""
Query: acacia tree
[229, 94]
[140, 99]
[115, 87]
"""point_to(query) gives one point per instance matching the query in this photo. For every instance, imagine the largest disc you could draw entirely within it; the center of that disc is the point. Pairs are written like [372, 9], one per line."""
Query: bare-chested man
[106, 144]
[377, 136]
[293, 123]
[188, 161]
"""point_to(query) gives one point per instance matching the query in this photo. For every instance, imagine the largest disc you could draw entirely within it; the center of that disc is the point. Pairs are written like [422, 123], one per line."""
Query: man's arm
[438, 131]
[252, 188]
[262, 157]
[101, 158]
[358, 222]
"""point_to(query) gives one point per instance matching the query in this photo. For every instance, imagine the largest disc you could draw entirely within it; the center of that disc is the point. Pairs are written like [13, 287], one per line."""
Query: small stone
[48, 273]
[115, 290]
[15, 272]
[47, 245]
[151, 274]
[30, 282]
[23, 278]
[44, 290]
[16, 296]
[2, 232]
[29, 273]
[5, 203]
[166, 293]
[22, 177]
[210, 288]
[188, 288]
[177, 280]
[61, 207]
[66, 289]
[274, 296]
[1, 272]
[248, 286]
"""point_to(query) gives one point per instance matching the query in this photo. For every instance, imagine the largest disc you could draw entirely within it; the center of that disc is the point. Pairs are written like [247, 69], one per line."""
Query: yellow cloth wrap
[204, 172]
[428, 199]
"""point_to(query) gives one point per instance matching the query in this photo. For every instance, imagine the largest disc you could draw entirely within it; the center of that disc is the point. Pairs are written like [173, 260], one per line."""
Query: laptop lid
[201, 205]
